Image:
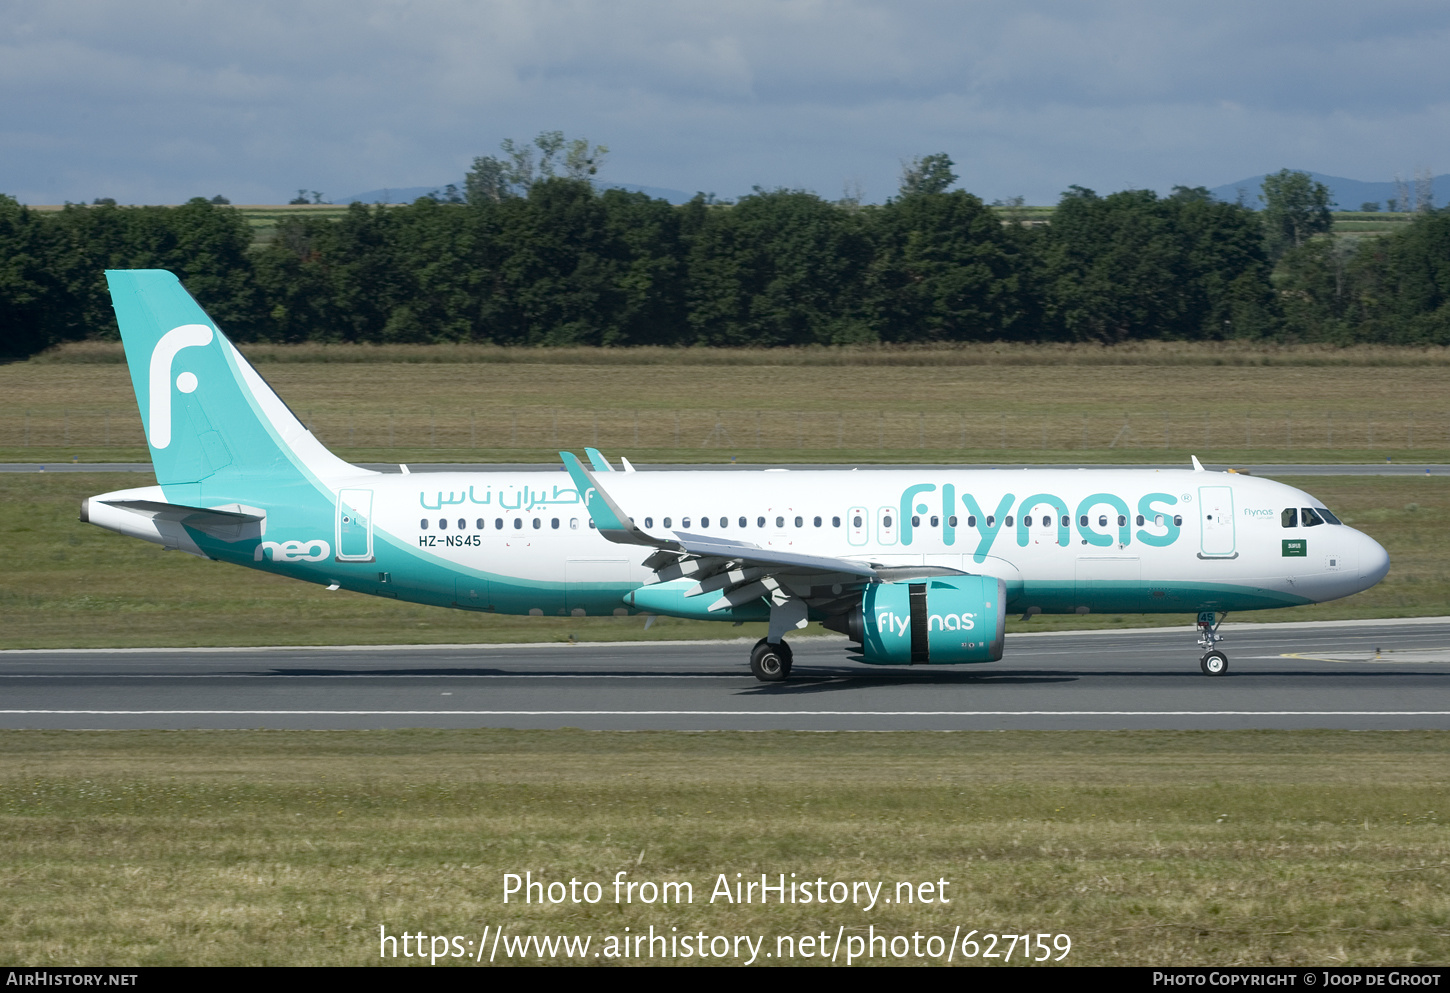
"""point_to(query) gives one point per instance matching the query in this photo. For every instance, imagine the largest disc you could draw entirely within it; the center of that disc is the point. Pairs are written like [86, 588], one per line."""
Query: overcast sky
[154, 101]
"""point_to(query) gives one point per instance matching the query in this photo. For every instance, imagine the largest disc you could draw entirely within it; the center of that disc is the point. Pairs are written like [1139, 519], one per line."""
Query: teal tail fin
[207, 413]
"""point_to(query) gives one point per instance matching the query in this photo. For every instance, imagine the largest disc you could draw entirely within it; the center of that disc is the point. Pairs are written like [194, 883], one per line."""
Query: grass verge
[773, 409]
[1147, 848]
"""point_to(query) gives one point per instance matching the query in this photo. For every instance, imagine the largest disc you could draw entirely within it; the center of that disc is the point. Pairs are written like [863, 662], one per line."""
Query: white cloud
[157, 100]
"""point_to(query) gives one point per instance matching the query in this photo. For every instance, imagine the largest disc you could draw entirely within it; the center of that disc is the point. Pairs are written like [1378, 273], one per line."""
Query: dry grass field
[1145, 848]
[1228, 404]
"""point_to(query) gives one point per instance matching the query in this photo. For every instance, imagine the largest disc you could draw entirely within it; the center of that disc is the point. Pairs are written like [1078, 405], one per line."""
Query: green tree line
[556, 261]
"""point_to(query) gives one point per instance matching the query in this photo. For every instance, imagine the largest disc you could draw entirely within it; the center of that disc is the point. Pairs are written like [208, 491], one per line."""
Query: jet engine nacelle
[941, 620]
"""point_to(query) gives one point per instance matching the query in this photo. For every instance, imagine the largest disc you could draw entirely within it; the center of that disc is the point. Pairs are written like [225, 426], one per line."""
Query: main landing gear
[1214, 662]
[770, 663]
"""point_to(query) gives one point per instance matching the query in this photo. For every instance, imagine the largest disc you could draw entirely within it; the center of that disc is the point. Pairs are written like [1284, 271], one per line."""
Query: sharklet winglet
[610, 519]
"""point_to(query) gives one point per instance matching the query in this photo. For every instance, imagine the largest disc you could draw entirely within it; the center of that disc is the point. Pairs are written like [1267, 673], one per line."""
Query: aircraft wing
[738, 570]
[699, 544]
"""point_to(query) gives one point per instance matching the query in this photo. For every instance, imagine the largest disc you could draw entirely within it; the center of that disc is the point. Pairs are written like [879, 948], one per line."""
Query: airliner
[916, 566]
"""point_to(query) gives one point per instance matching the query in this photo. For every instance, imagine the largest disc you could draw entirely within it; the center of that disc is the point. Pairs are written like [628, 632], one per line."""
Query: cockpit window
[1290, 517]
[1328, 517]
[1311, 519]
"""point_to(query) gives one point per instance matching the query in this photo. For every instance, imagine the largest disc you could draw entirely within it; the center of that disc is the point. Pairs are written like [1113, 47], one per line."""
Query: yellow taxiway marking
[1422, 656]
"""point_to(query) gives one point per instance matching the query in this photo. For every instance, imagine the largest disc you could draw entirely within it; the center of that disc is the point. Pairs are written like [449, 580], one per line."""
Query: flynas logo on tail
[159, 413]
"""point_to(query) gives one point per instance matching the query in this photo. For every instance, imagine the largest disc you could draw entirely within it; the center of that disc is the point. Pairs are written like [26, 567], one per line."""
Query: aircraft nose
[1374, 561]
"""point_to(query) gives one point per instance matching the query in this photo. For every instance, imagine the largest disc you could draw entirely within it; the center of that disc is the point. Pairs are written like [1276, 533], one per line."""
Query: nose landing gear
[1214, 662]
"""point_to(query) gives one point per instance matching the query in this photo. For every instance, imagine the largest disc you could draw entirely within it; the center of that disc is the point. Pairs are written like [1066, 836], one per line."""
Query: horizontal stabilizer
[224, 525]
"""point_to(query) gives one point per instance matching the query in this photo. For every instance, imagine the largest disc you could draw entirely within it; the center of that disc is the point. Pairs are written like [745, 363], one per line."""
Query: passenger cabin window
[817, 522]
[442, 524]
[537, 524]
[1311, 519]
[1290, 517]
[745, 523]
[800, 522]
[760, 522]
[498, 523]
[684, 522]
[835, 522]
[952, 521]
[856, 521]
[481, 523]
[423, 524]
[554, 523]
[649, 522]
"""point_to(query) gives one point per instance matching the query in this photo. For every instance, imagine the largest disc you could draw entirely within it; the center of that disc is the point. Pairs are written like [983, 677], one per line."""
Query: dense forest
[564, 263]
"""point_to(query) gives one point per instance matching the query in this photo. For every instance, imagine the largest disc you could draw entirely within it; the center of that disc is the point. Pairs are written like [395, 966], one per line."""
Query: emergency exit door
[355, 526]
[1216, 518]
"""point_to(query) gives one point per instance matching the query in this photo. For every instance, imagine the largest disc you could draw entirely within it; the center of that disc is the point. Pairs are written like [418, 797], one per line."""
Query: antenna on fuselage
[1197, 465]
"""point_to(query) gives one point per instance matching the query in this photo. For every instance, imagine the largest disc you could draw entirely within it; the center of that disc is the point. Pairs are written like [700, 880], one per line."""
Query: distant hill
[1348, 194]
[407, 194]
[400, 194]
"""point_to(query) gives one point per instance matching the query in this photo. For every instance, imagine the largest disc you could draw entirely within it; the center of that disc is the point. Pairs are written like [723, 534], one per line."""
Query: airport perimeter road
[1380, 674]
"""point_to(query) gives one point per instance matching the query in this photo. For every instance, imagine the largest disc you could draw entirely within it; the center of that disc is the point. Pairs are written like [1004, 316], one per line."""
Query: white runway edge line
[1240, 627]
[743, 713]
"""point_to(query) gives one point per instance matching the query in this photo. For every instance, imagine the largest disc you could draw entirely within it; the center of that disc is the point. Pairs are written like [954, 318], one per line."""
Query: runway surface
[1378, 674]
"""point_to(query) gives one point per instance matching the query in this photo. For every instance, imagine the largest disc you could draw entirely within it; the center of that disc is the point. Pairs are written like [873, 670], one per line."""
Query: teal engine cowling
[941, 620]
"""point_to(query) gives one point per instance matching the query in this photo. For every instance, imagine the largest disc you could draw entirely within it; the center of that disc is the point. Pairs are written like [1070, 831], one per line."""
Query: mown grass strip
[401, 411]
[1147, 848]
[1151, 353]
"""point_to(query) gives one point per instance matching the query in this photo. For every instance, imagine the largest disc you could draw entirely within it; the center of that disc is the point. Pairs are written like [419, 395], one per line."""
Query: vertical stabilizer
[207, 413]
